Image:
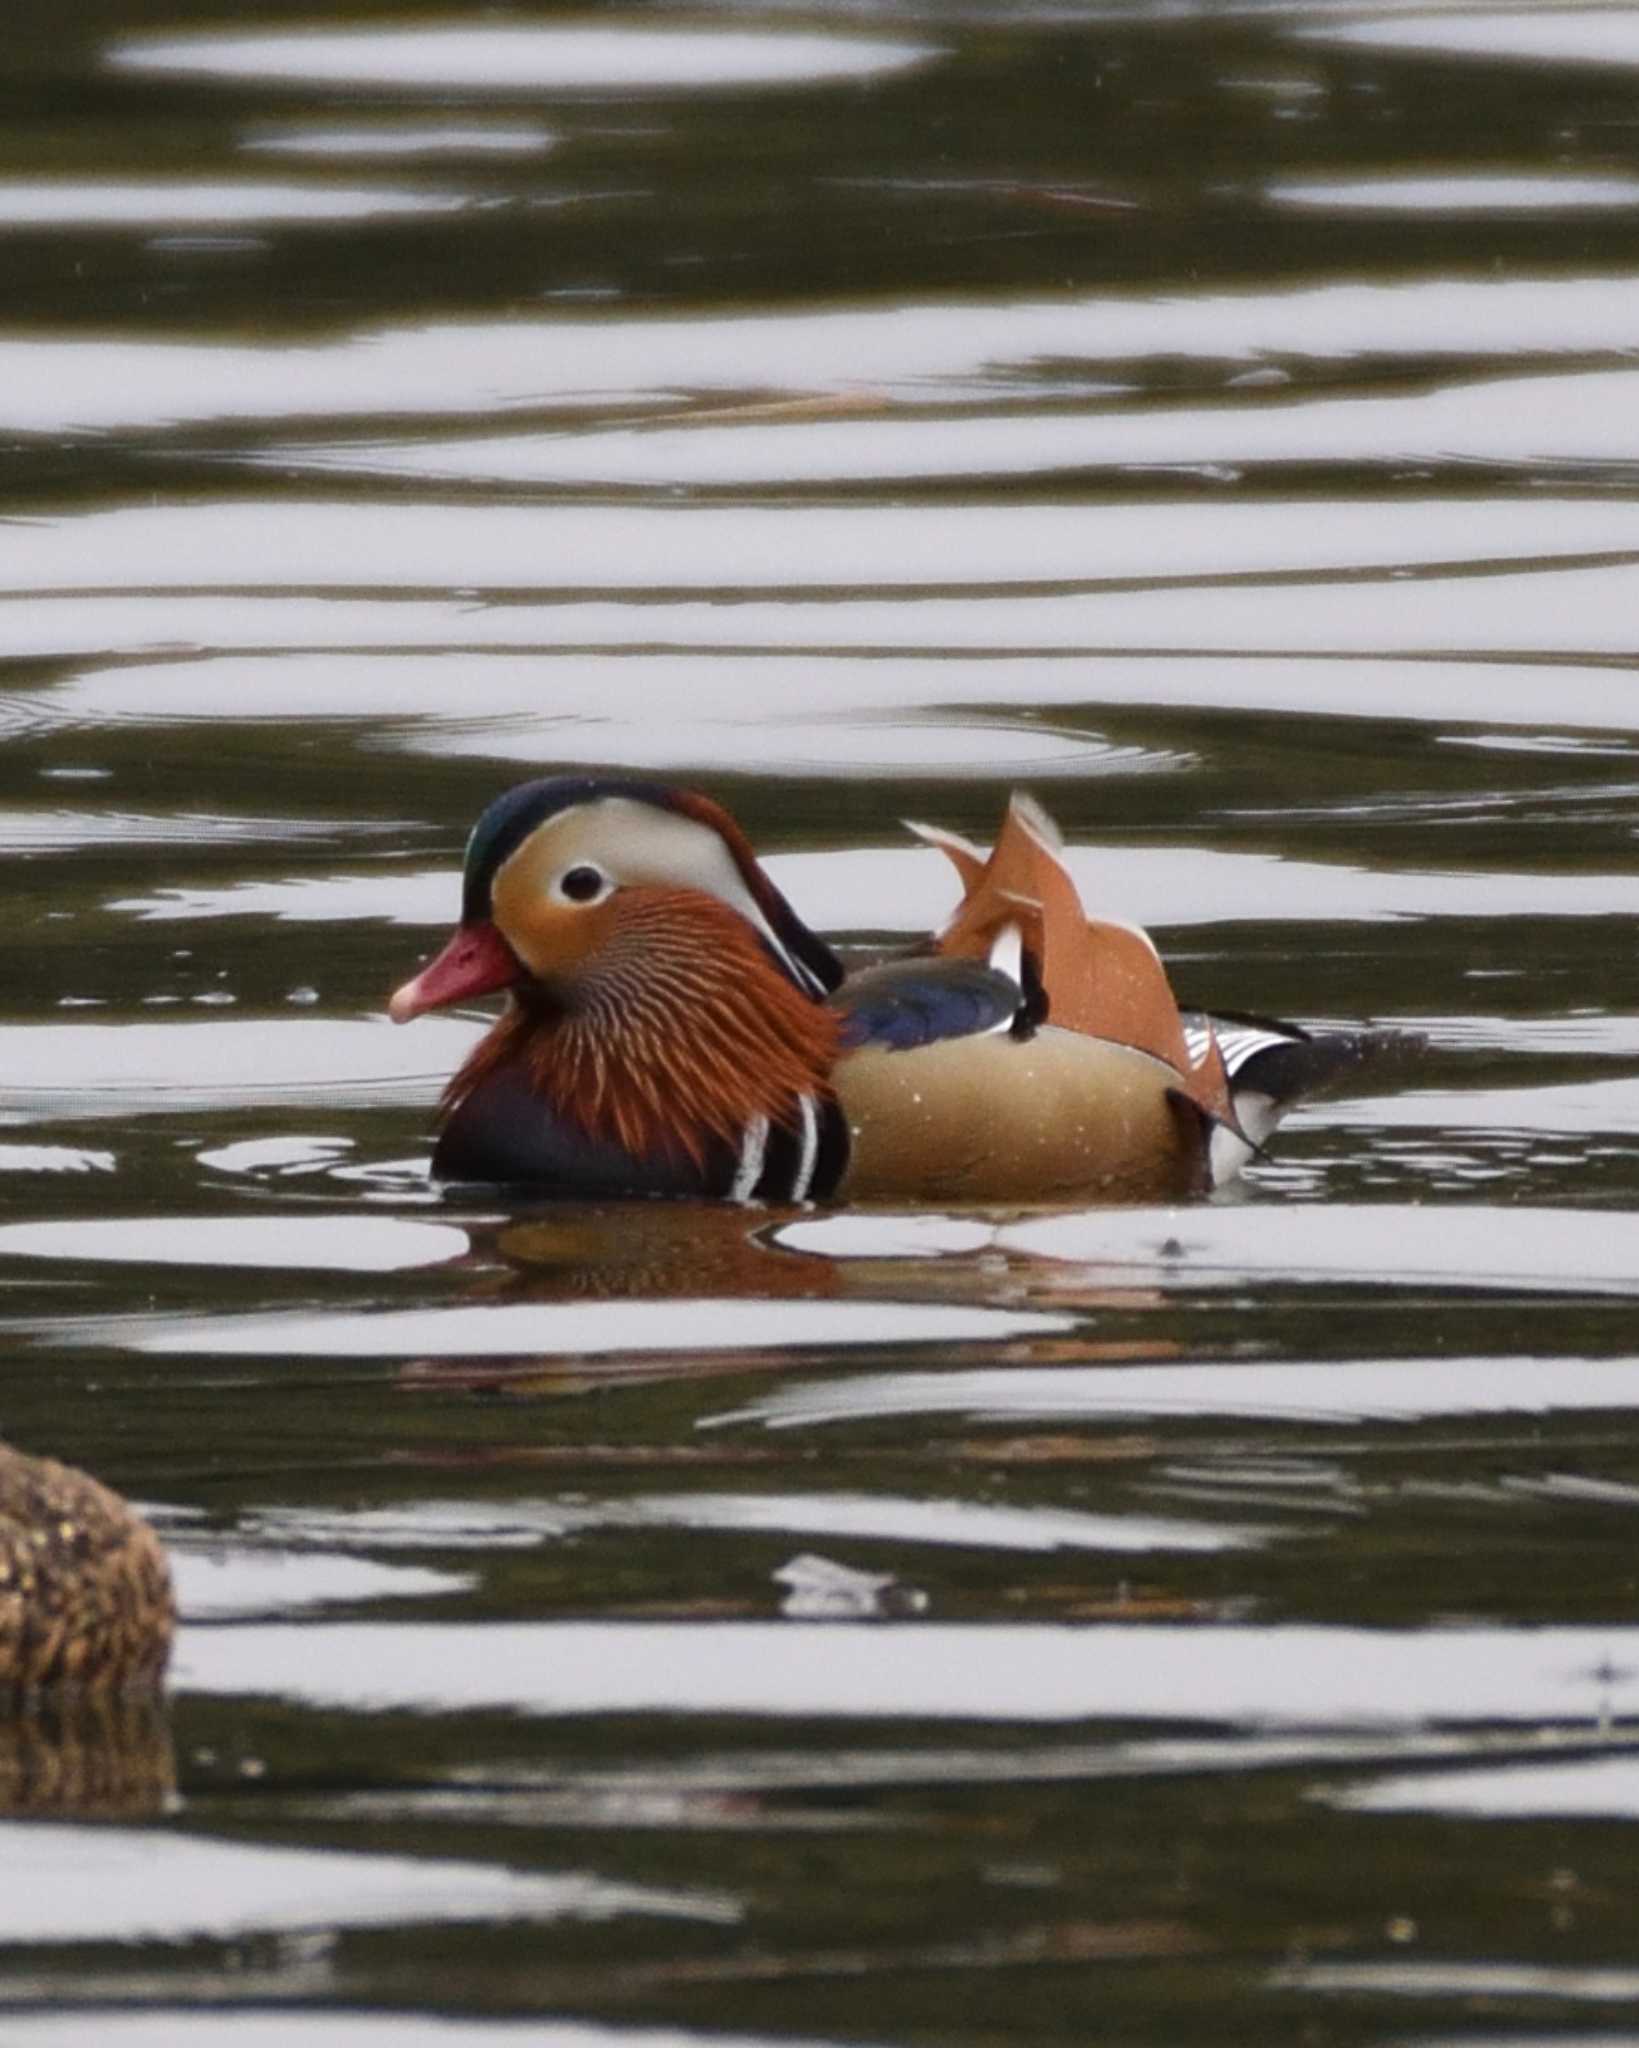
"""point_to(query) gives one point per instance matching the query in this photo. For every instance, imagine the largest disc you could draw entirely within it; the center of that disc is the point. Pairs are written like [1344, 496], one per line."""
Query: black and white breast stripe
[802, 974]
[800, 1163]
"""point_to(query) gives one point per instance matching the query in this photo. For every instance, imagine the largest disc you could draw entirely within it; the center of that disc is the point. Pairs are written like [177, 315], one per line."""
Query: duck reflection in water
[674, 1028]
[703, 1256]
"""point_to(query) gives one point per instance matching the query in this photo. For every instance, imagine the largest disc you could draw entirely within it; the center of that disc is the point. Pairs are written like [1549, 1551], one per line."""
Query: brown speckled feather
[85, 1592]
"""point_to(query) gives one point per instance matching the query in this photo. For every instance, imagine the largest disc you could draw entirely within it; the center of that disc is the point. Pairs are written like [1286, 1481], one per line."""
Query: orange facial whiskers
[675, 1029]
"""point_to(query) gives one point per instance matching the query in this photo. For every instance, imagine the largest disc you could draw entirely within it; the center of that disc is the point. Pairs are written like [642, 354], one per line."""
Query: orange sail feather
[1101, 978]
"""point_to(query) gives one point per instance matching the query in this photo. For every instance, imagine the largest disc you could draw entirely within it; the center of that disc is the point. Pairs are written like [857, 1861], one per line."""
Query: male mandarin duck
[674, 1028]
[85, 1593]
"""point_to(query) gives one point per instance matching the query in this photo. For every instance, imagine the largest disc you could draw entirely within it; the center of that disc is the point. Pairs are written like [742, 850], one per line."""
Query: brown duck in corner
[85, 1593]
[674, 1028]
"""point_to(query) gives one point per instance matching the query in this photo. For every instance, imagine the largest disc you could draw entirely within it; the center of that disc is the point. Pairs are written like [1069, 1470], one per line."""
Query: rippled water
[669, 1625]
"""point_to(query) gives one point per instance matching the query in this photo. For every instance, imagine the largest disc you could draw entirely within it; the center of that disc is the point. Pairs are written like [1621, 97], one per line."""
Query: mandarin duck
[674, 1028]
[85, 1594]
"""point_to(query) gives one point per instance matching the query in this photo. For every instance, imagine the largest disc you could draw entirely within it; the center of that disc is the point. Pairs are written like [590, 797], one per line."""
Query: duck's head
[577, 884]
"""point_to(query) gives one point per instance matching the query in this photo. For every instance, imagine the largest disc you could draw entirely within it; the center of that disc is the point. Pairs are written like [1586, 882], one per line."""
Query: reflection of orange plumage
[1101, 978]
[705, 1253]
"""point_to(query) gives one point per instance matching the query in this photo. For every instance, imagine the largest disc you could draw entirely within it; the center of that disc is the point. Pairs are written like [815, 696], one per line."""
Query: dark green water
[1141, 1625]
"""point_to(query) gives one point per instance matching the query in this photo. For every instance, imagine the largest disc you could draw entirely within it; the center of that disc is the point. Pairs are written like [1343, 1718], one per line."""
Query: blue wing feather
[911, 1003]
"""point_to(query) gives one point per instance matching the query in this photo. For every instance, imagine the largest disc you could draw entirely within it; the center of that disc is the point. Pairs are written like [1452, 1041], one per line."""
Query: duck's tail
[1272, 1065]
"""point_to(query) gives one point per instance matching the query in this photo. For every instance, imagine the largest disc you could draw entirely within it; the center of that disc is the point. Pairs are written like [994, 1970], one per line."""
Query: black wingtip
[1319, 1060]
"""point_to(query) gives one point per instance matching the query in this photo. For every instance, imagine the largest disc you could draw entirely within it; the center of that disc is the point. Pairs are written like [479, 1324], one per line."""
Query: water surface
[634, 1624]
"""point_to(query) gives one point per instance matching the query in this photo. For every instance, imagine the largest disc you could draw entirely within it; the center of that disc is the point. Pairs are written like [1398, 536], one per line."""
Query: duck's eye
[581, 884]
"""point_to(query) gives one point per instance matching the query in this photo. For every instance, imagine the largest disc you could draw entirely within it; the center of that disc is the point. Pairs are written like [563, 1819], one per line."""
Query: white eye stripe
[631, 844]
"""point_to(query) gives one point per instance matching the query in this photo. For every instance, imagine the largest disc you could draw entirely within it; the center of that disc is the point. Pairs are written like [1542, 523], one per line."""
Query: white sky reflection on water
[1581, 1106]
[313, 1244]
[1555, 611]
[1454, 193]
[228, 1583]
[559, 1329]
[1304, 1676]
[617, 57]
[916, 350]
[1591, 417]
[957, 748]
[54, 1159]
[98, 1884]
[60, 202]
[412, 139]
[570, 700]
[100, 1070]
[1583, 1788]
[56, 831]
[293, 2028]
[523, 1523]
[1482, 1985]
[1533, 1249]
[907, 889]
[1551, 35]
[1610, 1033]
[885, 1517]
[1333, 1393]
[313, 543]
